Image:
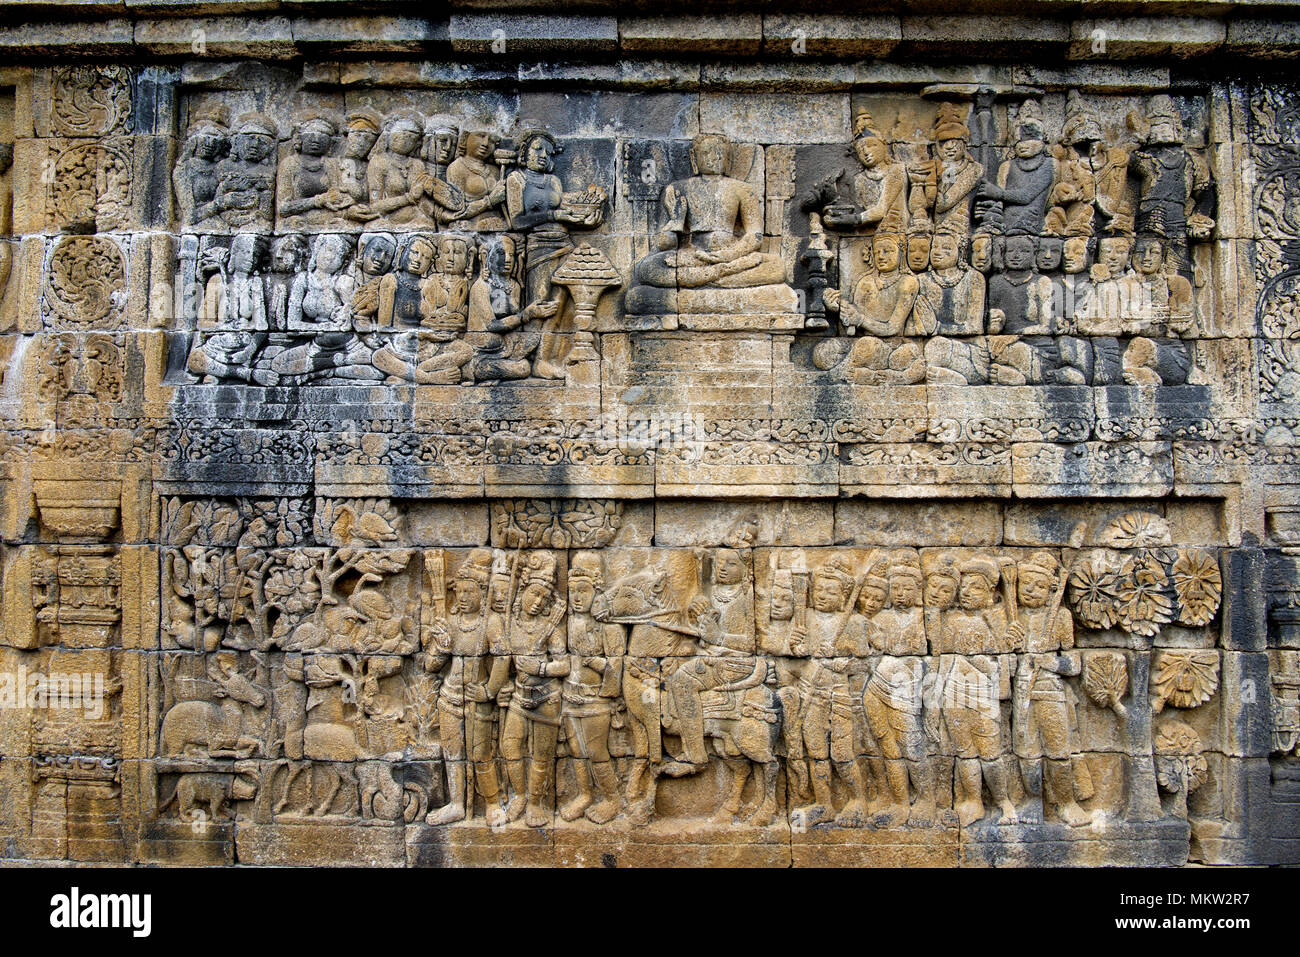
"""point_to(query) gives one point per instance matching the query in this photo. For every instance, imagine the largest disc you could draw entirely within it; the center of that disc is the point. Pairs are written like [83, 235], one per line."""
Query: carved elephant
[208, 728]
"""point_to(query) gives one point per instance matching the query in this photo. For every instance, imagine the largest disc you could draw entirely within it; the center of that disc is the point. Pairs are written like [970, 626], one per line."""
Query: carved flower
[292, 584]
[280, 522]
[362, 521]
[1180, 766]
[1184, 678]
[1198, 585]
[1136, 530]
[1106, 679]
[1143, 594]
[1094, 592]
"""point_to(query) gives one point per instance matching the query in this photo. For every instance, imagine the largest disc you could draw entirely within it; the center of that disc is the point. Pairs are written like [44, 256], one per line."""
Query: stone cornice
[1076, 31]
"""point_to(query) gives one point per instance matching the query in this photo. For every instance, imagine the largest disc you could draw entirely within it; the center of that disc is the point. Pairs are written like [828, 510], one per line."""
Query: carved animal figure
[336, 747]
[214, 728]
[212, 789]
[742, 720]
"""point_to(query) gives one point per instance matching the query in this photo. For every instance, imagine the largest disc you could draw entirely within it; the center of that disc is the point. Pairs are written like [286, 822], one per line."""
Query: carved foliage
[91, 188]
[85, 283]
[91, 101]
[1184, 679]
[552, 523]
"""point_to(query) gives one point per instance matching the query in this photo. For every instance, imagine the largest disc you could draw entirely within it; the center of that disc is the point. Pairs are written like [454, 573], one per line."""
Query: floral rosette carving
[1143, 594]
[1094, 592]
[1136, 530]
[1198, 584]
[1146, 586]
[1184, 678]
[91, 101]
[91, 188]
[86, 282]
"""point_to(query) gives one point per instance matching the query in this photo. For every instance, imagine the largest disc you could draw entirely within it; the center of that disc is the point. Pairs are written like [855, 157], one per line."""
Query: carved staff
[859, 577]
[436, 597]
[1008, 568]
[799, 582]
[1077, 535]
[514, 588]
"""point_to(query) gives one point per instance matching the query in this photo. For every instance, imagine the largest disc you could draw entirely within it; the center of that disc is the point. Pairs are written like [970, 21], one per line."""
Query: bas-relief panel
[308, 327]
[1012, 240]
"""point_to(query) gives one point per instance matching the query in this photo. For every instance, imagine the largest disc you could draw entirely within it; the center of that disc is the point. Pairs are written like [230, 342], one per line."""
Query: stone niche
[613, 458]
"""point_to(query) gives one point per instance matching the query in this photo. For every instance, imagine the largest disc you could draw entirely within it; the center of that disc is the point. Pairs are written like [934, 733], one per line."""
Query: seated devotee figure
[1154, 301]
[197, 174]
[246, 186]
[427, 313]
[709, 259]
[308, 184]
[882, 307]
[1157, 308]
[363, 126]
[289, 254]
[232, 325]
[950, 304]
[320, 302]
[1022, 307]
[1099, 355]
[502, 331]
[1104, 315]
[402, 191]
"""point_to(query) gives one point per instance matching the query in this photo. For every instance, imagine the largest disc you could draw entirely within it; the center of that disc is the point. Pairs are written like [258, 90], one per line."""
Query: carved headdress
[1081, 125]
[539, 569]
[950, 124]
[1162, 114]
[441, 123]
[586, 567]
[407, 120]
[905, 563]
[364, 118]
[1040, 563]
[526, 139]
[864, 127]
[876, 577]
[476, 568]
[313, 119]
[838, 569]
[940, 565]
[256, 124]
[983, 566]
[1029, 124]
[212, 119]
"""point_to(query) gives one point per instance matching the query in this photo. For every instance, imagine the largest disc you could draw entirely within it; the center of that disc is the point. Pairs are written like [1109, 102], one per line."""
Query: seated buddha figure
[709, 259]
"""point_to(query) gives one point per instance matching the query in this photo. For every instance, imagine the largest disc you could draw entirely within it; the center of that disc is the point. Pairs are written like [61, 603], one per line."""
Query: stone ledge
[739, 35]
[286, 30]
[846, 36]
[530, 36]
[1145, 37]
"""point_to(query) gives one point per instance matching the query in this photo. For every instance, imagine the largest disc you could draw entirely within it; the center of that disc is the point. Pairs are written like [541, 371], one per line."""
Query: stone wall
[535, 438]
